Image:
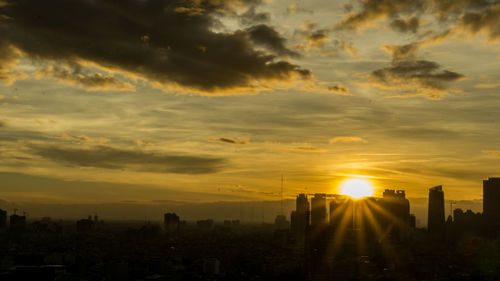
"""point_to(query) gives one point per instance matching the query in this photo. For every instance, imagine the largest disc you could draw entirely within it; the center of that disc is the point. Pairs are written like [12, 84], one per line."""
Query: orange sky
[207, 101]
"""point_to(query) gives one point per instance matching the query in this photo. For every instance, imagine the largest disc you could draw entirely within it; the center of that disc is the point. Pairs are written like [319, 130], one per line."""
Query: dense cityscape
[327, 237]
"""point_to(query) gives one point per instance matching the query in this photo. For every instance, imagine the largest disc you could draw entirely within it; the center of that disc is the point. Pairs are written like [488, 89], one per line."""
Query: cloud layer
[168, 43]
[112, 158]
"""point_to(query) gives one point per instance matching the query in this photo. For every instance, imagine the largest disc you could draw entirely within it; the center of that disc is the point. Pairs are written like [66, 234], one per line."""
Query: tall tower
[300, 218]
[491, 204]
[3, 219]
[319, 213]
[435, 223]
[171, 222]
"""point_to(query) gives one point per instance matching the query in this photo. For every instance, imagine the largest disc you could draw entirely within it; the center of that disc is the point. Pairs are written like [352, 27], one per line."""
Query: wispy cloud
[347, 139]
[112, 158]
[230, 141]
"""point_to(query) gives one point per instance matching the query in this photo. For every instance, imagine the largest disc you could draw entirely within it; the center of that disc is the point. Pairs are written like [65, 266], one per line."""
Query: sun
[356, 188]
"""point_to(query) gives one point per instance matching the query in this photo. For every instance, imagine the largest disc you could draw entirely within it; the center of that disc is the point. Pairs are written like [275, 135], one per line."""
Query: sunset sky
[212, 100]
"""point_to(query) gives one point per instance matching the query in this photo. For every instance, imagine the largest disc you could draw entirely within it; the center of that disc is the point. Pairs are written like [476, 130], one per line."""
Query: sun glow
[356, 188]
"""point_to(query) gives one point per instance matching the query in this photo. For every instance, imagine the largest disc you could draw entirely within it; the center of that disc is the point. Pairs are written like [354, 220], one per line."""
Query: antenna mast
[451, 208]
[281, 194]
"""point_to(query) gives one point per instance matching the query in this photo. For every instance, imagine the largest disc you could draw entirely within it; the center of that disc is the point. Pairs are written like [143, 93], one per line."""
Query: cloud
[252, 17]
[307, 149]
[229, 141]
[176, 44]
[141, 143]
[112, 158]
[487, 85]
[446, 9]
[339, 89]
[409, 25]
[486, 21]
[402, 51]
[410, 76]
[415, 78]
[347, 139]
[374, 10]
[270, 38]
[491, 153]
[294, 9]
[83, 138]
[319, 40]
[9, 57]
[92, 82]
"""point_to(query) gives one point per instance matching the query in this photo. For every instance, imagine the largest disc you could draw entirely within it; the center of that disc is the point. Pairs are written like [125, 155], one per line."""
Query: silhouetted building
[435, 223]
[467, 222]
[398, 207]
[319, 213]
[84, 225]
[3, 219]
[171, 222]
[412, 222]
[17, 223]
[227, 223]
[280, 222]
[206, 224]
[491, 204]
[301, 216]
[235, 222]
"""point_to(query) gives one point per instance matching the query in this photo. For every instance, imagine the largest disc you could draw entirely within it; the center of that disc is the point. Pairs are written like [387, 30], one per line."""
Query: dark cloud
[411, 76]
[111, 158]
[168, 43]
[339, 89]
[318, 36]
[313, 38]
[446, 9]
[487, 21]
[90, 81]
[251, 17]
[373, 10]
[415, 77]
[229, 141]
[271, 39]
[406, 25]
[400, 52]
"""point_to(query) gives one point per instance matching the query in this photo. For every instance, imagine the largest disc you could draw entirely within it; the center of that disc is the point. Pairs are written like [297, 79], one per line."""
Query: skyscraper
[171, 222]
[17, 223]
[397, 218]
[395, 202]
[491, 204]
[3, 219]
[319, 214]
[301, 216]
[435, 223]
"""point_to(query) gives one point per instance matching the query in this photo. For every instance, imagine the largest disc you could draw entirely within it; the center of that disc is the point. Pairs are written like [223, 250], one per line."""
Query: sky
[106, 102]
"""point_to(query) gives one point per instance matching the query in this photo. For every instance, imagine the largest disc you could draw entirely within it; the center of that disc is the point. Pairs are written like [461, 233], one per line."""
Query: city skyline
[260, 211]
